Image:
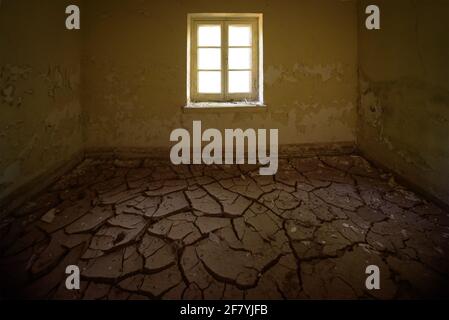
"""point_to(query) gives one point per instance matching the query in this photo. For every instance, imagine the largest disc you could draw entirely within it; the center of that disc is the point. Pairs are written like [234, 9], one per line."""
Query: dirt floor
[144, 229]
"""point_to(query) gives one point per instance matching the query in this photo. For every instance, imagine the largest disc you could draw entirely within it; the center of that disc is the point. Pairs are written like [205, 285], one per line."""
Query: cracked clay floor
[144, 229]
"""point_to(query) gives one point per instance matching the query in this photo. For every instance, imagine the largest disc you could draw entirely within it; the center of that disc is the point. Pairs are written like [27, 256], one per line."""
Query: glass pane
[209, 82]
[239, 35]
[209, 59]
[209, 36]
[239, 58]
[239, 82]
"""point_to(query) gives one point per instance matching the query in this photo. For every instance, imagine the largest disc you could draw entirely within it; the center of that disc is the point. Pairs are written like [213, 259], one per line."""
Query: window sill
[225, 106]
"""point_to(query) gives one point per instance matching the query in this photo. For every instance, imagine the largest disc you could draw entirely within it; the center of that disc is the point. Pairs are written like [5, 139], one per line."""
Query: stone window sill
[225, 106]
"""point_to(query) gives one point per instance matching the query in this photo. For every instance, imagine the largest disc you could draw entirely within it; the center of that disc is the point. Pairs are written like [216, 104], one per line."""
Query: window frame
[255, 97]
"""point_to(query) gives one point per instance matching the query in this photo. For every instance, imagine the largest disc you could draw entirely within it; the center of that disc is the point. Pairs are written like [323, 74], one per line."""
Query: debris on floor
[145, 229]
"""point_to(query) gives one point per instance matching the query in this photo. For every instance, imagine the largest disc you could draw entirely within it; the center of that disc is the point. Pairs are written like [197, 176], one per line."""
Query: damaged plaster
[134, 89]
[324, 73]
[9, 77]
[40, 107]
[404, 93]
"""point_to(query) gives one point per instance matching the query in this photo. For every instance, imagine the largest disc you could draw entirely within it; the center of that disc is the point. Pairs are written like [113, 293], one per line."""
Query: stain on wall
[327, 79]
[404, 91]
[40, 109]
[134, 70]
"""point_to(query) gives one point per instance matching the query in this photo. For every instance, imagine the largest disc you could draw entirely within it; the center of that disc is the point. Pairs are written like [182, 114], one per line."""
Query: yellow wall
[134, 70]
[404, 92]
[133, 85]
[40, 109]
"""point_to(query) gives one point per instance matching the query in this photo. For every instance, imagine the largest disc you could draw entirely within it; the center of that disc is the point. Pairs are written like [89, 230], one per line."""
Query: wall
[134, 70]
[404, 92]
[40, 124]
[134, 81]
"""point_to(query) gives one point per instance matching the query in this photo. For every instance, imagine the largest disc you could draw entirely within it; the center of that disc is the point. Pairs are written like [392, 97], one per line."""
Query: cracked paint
[404, 94]
[134, 91]
[40, 104]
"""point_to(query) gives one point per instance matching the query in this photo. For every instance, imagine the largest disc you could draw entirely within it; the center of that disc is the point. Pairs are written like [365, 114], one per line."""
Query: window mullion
[194, 61]
[224, 45]
[255, 60]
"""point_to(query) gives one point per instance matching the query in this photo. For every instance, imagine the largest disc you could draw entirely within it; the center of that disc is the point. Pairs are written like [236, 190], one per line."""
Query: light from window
[225, 58]
[239, 36]
[209, 36]
[209, 59]
[209, 81]
[239, 81]
[240, 57]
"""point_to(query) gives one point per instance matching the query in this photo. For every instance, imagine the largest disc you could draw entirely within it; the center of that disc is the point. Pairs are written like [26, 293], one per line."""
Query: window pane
[209, 59]
[239, 82]
[209, 36]
[209, 82]
[239, 35]
[239, 58]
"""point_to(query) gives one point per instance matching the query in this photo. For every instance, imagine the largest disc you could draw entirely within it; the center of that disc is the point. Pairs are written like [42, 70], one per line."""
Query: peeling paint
[40, 106]
[10, 173]
[404, 93]
[134, 90]
[279, 74]
[10, 77]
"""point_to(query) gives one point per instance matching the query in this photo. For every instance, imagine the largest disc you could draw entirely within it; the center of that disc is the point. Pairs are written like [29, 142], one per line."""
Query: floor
[144, 229]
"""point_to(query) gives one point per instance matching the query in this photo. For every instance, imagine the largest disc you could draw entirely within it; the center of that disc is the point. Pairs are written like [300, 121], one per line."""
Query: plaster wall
[40, 108]
[404, 92]
[134, 71]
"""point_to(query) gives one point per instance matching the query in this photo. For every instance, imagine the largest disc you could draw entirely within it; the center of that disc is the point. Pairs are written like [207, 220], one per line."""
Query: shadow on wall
[404, 93]
[40, 105]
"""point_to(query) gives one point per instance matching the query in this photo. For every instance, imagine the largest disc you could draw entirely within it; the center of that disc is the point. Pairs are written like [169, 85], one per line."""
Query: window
[225, 59]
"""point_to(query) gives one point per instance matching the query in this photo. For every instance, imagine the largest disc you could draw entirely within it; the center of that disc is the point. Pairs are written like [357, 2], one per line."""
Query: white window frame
[255, 97]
